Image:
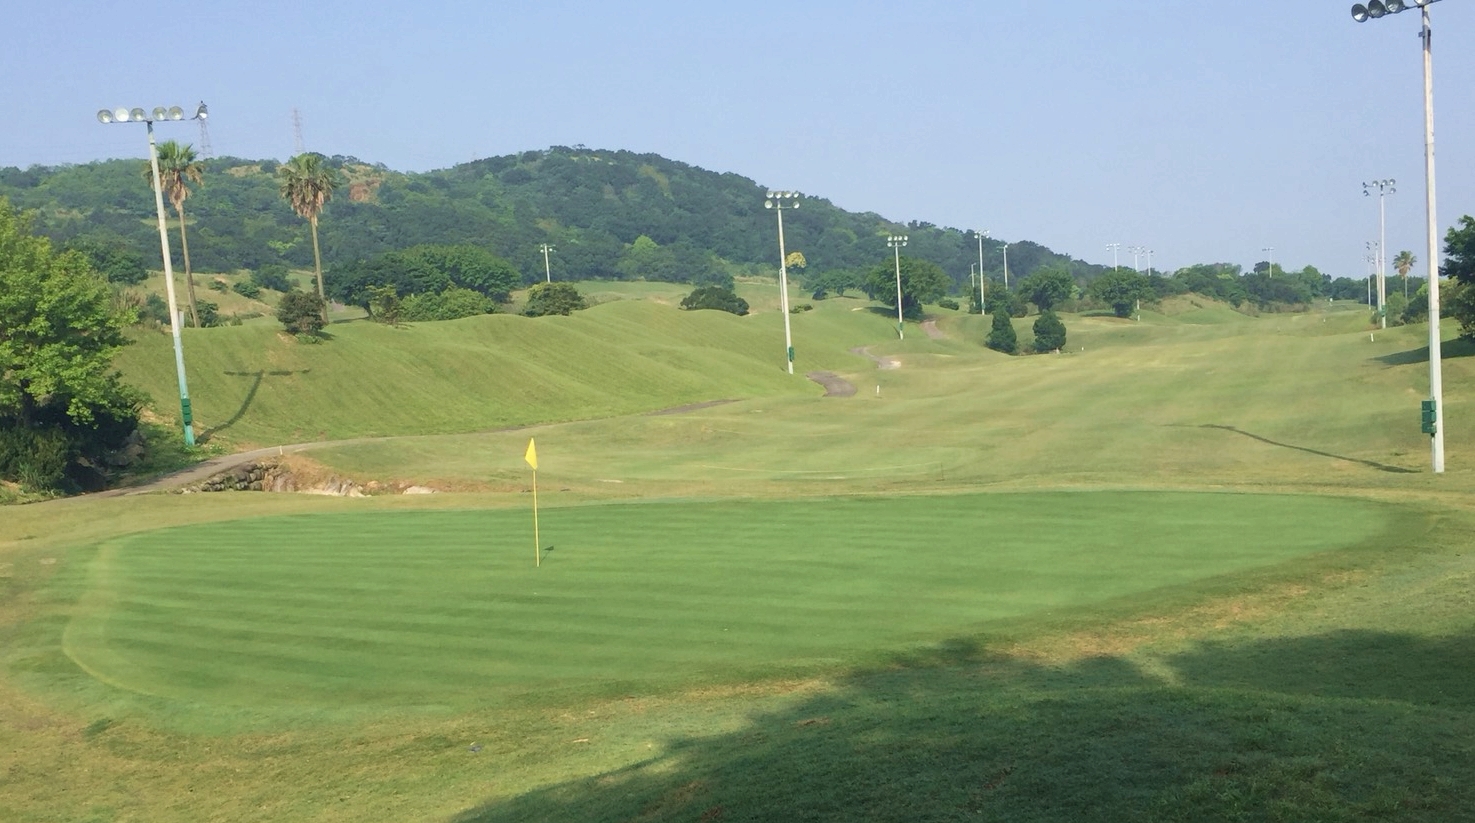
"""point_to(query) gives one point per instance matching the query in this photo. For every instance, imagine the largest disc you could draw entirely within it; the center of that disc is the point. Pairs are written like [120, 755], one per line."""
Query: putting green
[446, 607]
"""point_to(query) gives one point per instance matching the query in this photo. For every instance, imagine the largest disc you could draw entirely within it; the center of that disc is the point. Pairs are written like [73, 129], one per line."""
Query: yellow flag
[532, 455]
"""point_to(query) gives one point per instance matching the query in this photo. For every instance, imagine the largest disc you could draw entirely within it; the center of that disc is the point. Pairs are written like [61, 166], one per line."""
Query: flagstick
[537, 552]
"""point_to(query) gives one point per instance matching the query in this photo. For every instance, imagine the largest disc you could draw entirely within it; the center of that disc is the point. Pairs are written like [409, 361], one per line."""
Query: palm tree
[178, 167]
[1403, 262]
[307, 185]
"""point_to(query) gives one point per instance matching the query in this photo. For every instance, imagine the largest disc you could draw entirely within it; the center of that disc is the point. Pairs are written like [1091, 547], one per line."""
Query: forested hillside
[593, 206]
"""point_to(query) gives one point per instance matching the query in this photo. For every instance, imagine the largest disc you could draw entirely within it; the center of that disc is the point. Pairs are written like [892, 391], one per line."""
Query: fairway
[445, 608]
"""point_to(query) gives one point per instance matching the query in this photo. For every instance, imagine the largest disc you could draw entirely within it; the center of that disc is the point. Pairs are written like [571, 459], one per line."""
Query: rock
[420, 490]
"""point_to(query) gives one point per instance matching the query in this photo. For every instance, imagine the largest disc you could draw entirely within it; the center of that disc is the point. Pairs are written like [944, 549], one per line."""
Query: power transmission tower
[297, 131]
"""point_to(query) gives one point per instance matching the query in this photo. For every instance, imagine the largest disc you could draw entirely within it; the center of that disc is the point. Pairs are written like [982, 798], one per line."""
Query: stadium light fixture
[138, 115]
[896, 242]
[547, 269]
[778, 201]
[1434, 406]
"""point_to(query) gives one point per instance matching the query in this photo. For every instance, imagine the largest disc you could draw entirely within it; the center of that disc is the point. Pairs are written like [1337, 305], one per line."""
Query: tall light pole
[1006, 267]
[1149, 262]
[1114, 248]
[778, 201]
[1137, 252]
[1434, 406]
[982, 289]
[896, 242]
[547, 269]
[1372, 269]
[140, 116]
[1384, 188]
[1270, 266]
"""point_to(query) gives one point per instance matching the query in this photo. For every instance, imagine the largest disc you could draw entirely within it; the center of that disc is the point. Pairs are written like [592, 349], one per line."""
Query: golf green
[446, 607]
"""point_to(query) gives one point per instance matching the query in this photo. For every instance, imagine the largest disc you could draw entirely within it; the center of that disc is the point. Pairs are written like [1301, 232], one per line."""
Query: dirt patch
[689, 407]
[835, 385]
[933, 332]
[885, 363]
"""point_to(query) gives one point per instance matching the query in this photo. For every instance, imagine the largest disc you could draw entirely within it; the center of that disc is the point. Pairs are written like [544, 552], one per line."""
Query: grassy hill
[980, 593]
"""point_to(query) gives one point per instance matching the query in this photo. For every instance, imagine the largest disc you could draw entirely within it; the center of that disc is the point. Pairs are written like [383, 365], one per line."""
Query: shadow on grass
[1382, 467]
[1342, 726]
[1459, 347]
[256, 378]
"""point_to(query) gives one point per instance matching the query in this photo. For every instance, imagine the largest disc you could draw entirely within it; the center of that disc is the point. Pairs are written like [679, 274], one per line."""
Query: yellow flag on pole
[532, 455]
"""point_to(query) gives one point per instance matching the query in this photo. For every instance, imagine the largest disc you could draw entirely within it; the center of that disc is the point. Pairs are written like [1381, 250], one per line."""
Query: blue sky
[1206, 131]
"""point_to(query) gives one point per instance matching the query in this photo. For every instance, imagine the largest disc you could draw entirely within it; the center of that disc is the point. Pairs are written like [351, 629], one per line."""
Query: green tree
[307, 184]
[553, 298]
[1047, 287]
[1001, 336]
[715, 297]
[921, 282]
[384, 304]
[61, 401]
[1404, 262]
[1049, 332]
[113, 257]
[1120, 289]
[178, 167]
[302, 312]
[1459, 266]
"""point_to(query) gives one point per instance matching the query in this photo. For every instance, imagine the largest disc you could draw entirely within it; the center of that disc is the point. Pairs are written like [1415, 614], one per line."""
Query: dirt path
[883, 363]
[933, 332]
[835, 385]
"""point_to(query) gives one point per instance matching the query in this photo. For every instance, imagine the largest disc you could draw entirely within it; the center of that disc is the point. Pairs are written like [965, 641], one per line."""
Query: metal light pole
[1372, 269]
[778, 201]
[1006, 267]
[547, 270]
[1435, 425]
[1270, 266]
[1149, 262]
[1137, 252]
[1114, 247]
[1384, 188]
[982, 289]
[896, 242]
[141, 116]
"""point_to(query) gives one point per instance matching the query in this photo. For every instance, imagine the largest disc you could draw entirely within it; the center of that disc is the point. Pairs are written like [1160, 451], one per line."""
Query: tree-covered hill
[593, 206]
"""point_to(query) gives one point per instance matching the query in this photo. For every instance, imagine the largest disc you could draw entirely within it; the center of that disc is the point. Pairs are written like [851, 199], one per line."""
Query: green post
[1428, 413]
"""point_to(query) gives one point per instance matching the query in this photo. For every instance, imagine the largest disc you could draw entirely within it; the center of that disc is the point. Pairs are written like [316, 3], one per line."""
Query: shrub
[802, 307]
[947, 303]
[209, 313]
[715, 297]
[451, 304]
[301, 313]
[553, 298]
[272, 276]
[219, 285]
[247, 288]
[1049, 332]
[1002, 337]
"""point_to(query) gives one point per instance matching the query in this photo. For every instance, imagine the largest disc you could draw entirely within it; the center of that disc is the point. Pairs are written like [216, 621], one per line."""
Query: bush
[219, 285]
[301, 313]
[272, 276]
[1002, 337]
[947, 303]
[247, 288]
[451, 304]
[208, 312]
[715, 297]
[1049, 332]
[35, 458]
[802, 307]
[553, 298]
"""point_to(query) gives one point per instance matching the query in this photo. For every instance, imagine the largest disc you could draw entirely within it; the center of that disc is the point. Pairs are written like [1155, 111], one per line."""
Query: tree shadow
[1339, 726]
[256, 378]
[1382, 467]
[1458, 347]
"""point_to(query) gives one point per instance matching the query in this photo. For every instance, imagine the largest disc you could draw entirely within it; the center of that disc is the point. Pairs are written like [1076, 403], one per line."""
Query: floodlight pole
[1270, 264]
[1137, 252]
[982, 289]
[139, 116]
[1006, 267]
[1149, 263]
[1436, 377]
[1115, 247]
[547, 270]
[778, 201]
[1384, 187]
[896, 242]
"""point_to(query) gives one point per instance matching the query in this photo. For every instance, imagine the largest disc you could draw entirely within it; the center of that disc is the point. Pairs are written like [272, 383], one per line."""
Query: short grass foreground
[446, 608]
